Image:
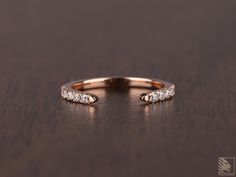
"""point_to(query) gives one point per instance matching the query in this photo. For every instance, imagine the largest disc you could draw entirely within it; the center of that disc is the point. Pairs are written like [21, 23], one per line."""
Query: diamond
[76, 97]
[70, 96]
[166, 93]
[153, 97]
[84, 98]
[161, 95]
[171, 90]
[64, 93]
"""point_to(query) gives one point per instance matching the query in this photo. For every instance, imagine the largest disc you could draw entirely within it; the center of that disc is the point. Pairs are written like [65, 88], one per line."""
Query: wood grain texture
[44, 44]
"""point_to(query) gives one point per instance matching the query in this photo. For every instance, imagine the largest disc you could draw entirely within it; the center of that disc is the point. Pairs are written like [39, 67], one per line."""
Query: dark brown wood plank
[44, 44]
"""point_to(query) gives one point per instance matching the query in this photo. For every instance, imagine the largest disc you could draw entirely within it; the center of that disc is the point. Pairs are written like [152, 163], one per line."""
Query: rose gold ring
[75, 91]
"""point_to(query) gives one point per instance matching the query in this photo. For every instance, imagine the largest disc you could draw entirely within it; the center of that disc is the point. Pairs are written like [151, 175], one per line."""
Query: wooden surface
[44, 44]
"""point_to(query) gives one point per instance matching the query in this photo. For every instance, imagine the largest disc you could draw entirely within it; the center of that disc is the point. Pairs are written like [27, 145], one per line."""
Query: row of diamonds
[75, 96]
[162, 94]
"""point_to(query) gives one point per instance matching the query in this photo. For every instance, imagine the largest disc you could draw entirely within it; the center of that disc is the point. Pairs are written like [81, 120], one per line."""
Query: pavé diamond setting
[74, 91]
[77, 97]
[159, 95]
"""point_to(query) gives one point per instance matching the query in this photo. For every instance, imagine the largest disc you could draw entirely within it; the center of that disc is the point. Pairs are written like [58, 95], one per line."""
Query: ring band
[74, 91]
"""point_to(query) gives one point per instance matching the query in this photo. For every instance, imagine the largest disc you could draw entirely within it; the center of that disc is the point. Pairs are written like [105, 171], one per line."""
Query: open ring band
[74, 91]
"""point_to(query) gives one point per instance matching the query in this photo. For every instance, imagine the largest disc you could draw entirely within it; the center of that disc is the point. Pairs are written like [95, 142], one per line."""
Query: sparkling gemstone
[70, 96]
[76, 97]
[161, 95]
[153, 97]
[64, 93]
[166, 93]
[84, 98]
[171, 91]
